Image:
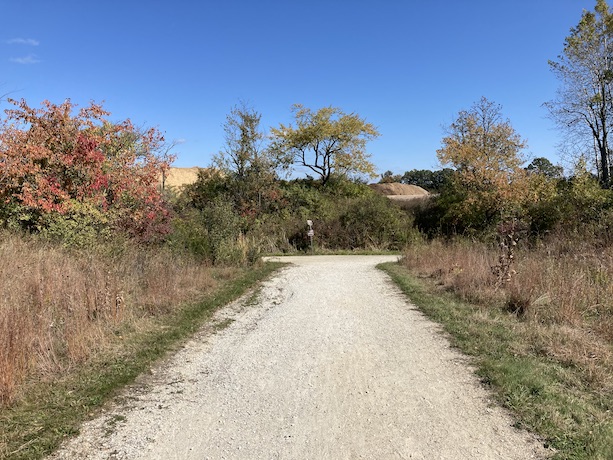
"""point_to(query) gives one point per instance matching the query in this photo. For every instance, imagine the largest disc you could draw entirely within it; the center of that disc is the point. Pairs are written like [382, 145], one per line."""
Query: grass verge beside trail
[546, 396]
[50, 412]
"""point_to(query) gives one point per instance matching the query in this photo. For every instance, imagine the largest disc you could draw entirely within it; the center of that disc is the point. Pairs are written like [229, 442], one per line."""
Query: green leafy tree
[210, 184]
[327, 142]
[244, 143]
[583, 108]
[433, 181]
[583, 199]
[546, 168]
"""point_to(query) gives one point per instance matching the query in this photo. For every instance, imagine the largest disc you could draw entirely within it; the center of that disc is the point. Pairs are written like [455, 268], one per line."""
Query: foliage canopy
[485, 152]
[56, 163]
[328, 141]
[246, 162]
[583, 108]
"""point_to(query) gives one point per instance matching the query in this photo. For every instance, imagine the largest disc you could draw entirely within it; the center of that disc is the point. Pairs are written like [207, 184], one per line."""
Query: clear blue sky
[407, 66]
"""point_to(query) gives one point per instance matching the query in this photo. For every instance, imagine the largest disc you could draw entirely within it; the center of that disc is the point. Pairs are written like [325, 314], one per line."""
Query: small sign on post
[310, 233]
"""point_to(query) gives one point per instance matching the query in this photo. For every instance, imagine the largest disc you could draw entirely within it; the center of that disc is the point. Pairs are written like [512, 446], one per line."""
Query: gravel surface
[329, 361]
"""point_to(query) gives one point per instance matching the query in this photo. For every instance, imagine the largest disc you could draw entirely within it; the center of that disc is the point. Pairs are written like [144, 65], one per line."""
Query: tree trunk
[604, 164]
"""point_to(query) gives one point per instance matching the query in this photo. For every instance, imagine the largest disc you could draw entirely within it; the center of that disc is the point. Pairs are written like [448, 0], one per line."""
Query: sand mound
[399, 189]
[179, 177]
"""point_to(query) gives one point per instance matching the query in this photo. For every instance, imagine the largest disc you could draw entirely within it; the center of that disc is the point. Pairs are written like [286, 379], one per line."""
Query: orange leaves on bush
[52, 159]
[485, 152]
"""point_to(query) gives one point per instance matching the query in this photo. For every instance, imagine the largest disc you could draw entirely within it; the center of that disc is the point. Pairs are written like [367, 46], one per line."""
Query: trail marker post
[310, 233]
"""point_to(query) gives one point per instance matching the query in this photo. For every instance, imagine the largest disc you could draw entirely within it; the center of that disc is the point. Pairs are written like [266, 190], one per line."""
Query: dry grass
[58, 308]
[563, 298]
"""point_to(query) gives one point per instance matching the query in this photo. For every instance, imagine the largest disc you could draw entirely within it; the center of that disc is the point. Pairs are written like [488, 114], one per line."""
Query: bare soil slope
[178, 177]
[395, 188]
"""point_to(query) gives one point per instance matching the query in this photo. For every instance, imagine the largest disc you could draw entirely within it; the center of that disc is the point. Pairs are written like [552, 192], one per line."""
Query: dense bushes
[346, 215]
[557, 206]
[62, 171]
[214, 234]
[489, 185]
[370, 222]
[78, 179]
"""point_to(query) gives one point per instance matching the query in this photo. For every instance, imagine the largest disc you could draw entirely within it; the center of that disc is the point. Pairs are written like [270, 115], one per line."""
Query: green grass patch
[546, 396]
[52, 411]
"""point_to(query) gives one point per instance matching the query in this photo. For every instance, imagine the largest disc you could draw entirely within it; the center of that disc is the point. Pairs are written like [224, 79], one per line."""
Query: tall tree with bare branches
[583, 108]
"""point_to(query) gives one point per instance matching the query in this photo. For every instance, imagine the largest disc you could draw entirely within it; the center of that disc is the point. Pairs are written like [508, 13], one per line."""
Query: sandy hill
[404, 195]
[395, 189]
[179, 177]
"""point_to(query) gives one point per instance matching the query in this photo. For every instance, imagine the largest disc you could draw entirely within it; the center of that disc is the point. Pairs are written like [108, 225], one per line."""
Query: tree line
[73, 176]
[76, 176]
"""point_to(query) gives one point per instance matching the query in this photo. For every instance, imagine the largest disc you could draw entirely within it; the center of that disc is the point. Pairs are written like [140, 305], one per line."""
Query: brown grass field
[59, 307]
[566, 297]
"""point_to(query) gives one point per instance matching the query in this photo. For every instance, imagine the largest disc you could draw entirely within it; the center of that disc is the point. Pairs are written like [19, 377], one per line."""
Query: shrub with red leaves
[53, 160]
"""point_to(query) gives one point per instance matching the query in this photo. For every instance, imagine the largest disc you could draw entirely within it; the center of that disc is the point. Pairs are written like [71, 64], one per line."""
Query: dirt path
[330, 362]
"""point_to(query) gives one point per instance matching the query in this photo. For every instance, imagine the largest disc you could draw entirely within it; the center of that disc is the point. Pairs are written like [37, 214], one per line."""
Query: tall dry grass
[562, 292]
[58, 307]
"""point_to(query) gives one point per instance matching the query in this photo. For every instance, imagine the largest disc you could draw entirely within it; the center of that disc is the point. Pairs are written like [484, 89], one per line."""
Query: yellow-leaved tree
[489, 183]
[327, 142]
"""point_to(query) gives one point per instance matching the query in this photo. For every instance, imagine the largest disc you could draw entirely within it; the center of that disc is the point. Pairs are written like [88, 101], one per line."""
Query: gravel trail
[329, 362]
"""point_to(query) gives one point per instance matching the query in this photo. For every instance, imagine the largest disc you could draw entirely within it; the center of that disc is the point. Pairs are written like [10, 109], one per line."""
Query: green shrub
[216, 233]
[190, 235]
[83, 226]
[372, 221]
[345, 216]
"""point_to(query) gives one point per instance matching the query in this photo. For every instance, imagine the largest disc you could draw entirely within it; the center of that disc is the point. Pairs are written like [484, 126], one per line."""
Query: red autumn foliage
[53, 159]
